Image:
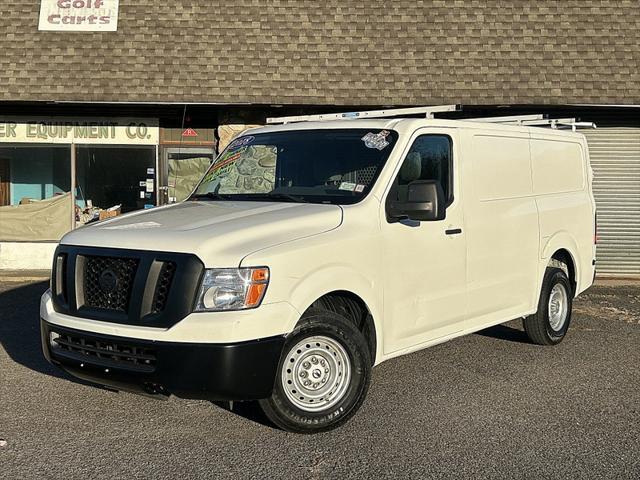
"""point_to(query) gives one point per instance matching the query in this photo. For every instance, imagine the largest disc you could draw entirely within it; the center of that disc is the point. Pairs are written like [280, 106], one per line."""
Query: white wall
[26, 256]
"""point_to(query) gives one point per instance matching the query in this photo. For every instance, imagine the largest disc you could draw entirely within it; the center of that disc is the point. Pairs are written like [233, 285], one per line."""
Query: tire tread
[535, 325]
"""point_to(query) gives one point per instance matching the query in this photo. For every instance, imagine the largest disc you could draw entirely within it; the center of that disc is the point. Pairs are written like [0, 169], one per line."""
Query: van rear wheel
[549, 325]
[323, 375]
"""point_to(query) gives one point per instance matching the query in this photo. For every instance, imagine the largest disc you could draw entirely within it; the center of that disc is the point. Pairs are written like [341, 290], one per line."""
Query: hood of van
[221, 233]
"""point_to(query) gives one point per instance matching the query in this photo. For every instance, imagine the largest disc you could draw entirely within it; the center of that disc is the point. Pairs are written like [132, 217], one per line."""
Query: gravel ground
[486, 405]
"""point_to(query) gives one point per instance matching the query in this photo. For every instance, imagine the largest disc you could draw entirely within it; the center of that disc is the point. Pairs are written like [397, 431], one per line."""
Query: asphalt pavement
[489, 405]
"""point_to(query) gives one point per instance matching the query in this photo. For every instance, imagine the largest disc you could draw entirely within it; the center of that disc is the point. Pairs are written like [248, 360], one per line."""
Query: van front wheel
[323, 375]
[550, 323]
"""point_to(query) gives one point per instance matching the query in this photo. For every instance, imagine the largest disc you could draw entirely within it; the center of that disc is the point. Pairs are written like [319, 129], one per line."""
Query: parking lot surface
[486, 405]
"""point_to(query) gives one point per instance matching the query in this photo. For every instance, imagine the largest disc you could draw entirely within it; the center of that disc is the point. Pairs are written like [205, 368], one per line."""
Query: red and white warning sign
[189, 132]
[79, 15]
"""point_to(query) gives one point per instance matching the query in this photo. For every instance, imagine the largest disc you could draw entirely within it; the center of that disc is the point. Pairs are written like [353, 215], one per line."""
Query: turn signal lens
[255, 294]
[259, 281]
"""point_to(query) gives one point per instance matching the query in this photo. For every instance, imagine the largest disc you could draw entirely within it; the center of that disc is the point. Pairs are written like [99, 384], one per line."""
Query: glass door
[184, 168]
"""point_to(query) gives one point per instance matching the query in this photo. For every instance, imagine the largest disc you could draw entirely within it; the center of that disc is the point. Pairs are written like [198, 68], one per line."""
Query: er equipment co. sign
[79, 15]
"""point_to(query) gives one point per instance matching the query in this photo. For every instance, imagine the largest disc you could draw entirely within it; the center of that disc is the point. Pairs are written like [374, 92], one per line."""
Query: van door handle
[453, 231]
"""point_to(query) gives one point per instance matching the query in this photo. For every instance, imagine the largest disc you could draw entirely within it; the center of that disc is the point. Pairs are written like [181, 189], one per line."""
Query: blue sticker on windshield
[240, 142]
[376, 140]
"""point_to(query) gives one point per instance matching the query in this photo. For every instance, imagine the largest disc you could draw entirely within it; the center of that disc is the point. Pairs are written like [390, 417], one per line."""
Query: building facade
[125, 114]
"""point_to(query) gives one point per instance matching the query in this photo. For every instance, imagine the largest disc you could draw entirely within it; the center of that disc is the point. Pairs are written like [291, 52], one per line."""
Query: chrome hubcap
[558, 307]
[316, 373]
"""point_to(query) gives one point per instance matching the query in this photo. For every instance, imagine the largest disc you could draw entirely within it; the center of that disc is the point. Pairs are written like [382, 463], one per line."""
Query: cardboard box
[104, 214]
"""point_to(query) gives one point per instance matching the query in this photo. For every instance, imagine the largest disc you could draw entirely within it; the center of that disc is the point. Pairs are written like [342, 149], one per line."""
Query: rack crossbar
[556, 123]
[518, 119]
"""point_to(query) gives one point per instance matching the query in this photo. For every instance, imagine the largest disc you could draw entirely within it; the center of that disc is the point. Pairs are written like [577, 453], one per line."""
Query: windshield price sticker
[348, 186]
[376, 140]
[240, 142]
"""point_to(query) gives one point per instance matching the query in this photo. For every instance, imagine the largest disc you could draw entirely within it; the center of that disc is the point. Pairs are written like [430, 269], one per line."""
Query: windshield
[319, 166]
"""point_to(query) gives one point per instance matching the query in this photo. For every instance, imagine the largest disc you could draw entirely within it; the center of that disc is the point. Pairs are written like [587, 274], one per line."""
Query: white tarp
[36, 221]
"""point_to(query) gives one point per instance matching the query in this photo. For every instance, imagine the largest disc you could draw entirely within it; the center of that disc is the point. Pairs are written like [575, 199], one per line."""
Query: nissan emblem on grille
[108, 281]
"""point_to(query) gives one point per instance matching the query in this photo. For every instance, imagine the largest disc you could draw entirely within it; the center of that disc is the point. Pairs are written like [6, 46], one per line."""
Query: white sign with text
[110, 131]
[79, 15]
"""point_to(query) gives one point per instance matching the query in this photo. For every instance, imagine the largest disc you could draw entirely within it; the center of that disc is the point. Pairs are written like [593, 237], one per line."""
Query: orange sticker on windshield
[226, 161]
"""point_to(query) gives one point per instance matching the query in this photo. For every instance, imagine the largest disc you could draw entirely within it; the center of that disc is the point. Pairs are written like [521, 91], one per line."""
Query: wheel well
[565, 257]
[353, 308]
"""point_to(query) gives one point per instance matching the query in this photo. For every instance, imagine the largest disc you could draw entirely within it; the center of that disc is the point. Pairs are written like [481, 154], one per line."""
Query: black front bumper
[235, 371]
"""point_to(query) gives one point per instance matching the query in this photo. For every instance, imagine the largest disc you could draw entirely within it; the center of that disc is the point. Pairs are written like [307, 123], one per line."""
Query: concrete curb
[24, 276]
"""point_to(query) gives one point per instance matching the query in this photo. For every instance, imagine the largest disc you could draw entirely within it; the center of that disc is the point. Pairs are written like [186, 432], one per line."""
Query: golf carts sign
[79, 15]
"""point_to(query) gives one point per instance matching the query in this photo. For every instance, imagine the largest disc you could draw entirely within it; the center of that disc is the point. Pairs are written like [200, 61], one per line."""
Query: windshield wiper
[249, 196]
[210, 196]
[284, 196]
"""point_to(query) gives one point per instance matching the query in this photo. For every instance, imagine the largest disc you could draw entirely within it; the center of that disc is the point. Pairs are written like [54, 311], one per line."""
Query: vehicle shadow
[20, 327]
[505, 332]
[20, 338]
[20, 330]
[249, 410]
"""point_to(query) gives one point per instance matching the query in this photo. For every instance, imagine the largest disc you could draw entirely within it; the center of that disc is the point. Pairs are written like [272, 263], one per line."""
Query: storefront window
[60, 173]
[35, 172]
[108, 176]
[35, 202]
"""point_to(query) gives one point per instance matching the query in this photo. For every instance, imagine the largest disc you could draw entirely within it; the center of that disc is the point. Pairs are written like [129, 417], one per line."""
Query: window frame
[451, 183]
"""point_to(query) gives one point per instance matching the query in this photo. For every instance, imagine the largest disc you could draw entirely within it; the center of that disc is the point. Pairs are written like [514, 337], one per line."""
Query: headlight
[232, 288]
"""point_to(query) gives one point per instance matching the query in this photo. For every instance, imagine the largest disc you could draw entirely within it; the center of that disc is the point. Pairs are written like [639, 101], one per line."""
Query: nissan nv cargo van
[312, 251]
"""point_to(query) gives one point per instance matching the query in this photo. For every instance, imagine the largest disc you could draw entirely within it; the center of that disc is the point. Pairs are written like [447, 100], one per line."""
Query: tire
[546, 327]
[322, 340]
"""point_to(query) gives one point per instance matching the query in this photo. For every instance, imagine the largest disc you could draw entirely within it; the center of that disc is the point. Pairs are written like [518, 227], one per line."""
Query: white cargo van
[312, 251]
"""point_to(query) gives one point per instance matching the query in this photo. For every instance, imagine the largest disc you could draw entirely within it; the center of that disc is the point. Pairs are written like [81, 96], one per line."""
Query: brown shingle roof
[334, 51]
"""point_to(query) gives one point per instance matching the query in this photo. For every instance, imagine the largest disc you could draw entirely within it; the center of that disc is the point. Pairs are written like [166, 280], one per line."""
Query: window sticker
[359, 188]
[348, 186]
[376, 140]
[224, 164]
[240, 142]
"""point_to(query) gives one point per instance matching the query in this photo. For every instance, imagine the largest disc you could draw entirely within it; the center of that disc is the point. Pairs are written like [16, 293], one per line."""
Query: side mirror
[425, 202]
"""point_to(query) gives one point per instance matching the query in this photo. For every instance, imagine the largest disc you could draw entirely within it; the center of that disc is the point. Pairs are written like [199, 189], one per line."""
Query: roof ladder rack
[393, 112]
[537, 120]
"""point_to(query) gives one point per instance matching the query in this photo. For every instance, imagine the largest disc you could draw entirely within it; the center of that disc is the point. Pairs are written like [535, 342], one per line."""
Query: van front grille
[105, 353]
[108, 282]
[130, 287]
